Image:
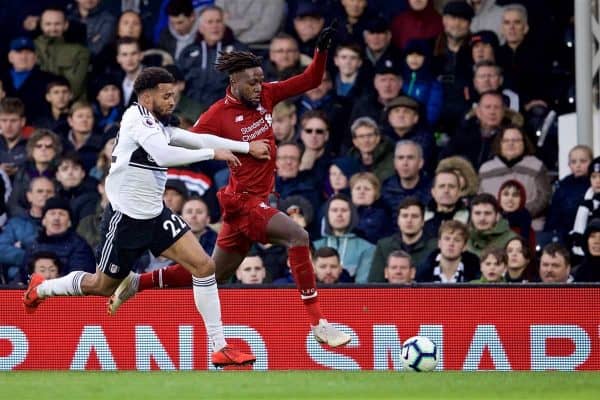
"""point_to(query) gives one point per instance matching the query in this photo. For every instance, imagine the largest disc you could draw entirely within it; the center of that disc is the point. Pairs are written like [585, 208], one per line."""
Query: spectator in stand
[488, 227]
[410, 239]
[379, 51]
[420, 83]
[568, 193]
[253, 22]
[373, 221]
[107, 104]
[514, 159]
[484, 47]
[520, 262]
[82, 138]
[512, 197]
[488, 77]
[452, 59]
[308, 23]
[589, 269]
[24, 79]
[340, 172]
[12, 142]
[314, 136]
[43, 148]
[284, 58]
[75, 187]
[89, 226]
[21, 230]
[526, 67]
[420, 21]
[373, 152]
[588, 209]
[348, 81]
[175, 195]
[451, 263]
[492, 266]
[182, 27]
[100, 24]
[468, 178]
[100, 170]
[474, 139]
[444, 204]
[488, 15]
[195, 213]
[403, 123]
[284, 122]
[59, 237]
[356, 254]
[251, 271]
[409, 179]
[196, 61]
[290, 180]
[354, 17]
[55, 55]
[56, 111]
[555, 264]
[46, 263]
[388, 85]
[328, 267]
[400, 269]
[129, 58]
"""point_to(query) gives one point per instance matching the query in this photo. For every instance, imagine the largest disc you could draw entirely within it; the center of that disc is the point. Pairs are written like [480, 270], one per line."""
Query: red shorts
[245, 219]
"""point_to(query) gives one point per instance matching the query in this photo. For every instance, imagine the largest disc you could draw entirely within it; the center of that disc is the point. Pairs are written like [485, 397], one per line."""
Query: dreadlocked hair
[236, 61]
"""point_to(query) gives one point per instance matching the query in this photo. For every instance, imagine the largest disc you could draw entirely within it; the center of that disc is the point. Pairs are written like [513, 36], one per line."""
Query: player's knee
[204, 268]
[299, 238]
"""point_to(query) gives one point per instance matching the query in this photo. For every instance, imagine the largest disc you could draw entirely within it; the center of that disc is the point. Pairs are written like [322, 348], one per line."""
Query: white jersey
[135, 183]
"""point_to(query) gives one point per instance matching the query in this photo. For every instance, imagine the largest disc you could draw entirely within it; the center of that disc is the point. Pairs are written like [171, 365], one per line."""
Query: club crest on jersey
[148, 121]
[261, 109]
[114, 268]
[269, 119]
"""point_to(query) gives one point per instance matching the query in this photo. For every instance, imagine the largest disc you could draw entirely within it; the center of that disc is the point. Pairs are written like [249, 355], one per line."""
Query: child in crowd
[569, 192]
[492, 265]
[588, 209]
[419, 82]
[512, 198]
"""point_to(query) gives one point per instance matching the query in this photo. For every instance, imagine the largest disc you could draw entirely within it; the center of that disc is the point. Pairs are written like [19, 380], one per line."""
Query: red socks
[304, 275]
[171, 276]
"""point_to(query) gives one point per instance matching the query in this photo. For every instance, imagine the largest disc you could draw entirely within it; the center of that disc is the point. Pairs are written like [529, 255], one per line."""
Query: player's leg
[226, 262]
[187, 252]
[281, 229]
[80, 283]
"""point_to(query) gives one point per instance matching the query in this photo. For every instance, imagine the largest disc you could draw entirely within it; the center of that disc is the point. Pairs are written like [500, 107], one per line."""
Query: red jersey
[231, 119]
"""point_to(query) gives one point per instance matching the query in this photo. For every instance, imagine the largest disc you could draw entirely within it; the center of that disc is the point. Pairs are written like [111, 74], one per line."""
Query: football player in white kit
[136, 219]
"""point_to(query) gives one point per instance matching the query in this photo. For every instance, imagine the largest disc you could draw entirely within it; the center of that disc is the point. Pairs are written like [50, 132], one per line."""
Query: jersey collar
[229, 98]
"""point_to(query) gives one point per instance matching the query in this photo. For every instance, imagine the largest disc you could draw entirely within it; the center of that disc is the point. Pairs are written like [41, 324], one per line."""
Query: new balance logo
[239, 118]
[263, 205]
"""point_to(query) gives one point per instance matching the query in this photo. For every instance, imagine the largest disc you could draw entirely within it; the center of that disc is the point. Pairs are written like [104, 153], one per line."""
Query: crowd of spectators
[428, 153]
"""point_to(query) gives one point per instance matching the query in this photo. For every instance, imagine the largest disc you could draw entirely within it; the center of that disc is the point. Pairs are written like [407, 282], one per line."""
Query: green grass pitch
[298, 385]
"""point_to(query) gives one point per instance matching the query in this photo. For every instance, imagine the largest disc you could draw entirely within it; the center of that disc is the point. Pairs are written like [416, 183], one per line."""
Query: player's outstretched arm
[170, 156]
[182, 138]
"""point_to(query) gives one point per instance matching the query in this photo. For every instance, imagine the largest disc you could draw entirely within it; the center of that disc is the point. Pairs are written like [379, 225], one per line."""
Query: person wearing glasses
[374, 153]
[314, 136]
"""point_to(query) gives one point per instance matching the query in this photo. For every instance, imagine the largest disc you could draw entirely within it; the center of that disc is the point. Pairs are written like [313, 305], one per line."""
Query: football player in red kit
[244, 114]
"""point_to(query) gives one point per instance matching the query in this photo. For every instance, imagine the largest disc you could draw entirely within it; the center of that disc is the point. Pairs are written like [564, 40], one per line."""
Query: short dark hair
[327, 252]
[12, 105]
[179, 7]
[492, 93]
[552, 249]
[150, 78]
[71, 157]
[412, 201]
[44, 254]
[127, 40]
[497, 252]
[57, 81]
[352, 46]
[485, 198]
[310, 114]
[400, 254]
[528, 147]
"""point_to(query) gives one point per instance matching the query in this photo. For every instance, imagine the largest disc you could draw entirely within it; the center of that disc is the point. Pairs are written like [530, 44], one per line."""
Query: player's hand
[326, 36]
[260, 149]
[228, 156]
